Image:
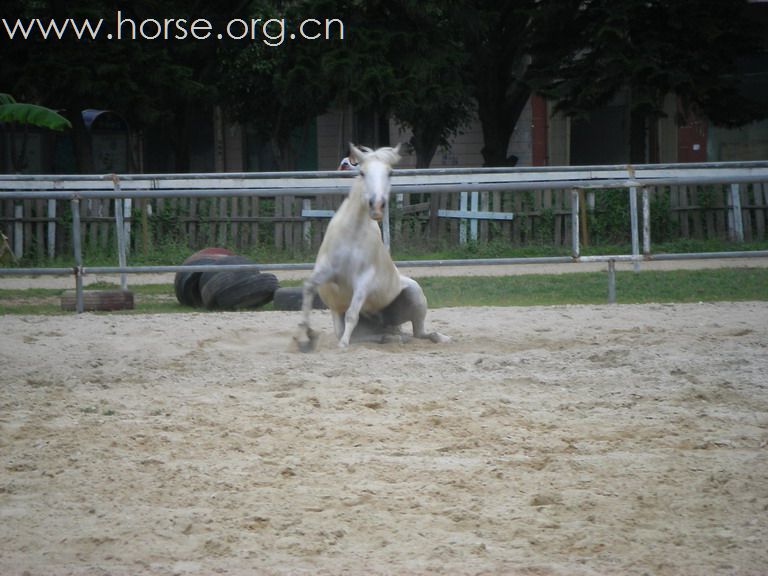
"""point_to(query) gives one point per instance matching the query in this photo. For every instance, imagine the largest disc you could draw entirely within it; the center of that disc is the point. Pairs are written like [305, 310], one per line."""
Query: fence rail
[290, 210]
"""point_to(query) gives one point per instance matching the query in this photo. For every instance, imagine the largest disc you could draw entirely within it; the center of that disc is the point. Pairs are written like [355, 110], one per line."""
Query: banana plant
[26, 115]
[30, 114]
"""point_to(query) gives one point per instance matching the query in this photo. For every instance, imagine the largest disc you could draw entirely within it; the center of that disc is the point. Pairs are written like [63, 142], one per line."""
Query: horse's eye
[362, 173]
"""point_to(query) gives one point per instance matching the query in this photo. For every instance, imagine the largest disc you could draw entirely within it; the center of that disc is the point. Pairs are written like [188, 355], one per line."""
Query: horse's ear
[355, 153]
[396, 150]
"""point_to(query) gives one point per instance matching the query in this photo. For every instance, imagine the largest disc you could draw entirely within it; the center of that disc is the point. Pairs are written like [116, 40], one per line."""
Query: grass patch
[592, 288]
[30, 301]
[709, 285]
[171, 253]
[503, 249]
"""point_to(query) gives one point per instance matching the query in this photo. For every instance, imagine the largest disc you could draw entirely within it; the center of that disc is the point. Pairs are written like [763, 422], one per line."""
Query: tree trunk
[285, 155]
[425, 151]
[424, 157]
[499, 109]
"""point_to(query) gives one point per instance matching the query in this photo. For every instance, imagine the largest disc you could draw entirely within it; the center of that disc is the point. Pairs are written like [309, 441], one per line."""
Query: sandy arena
[570, 440]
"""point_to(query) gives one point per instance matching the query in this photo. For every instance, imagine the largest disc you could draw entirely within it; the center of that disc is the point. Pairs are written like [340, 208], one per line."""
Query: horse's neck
[356, 204]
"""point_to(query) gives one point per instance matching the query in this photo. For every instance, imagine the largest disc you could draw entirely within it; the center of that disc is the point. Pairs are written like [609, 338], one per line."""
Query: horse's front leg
[307, 338]
[338, 323]
[352, 315]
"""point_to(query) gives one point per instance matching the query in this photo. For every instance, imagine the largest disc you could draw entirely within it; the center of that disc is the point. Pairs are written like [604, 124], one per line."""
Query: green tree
[651, 48]
[431, 96]
[277, 90]
[508, 43]
[403, 58]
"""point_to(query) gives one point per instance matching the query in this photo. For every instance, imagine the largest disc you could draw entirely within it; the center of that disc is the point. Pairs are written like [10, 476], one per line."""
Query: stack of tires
[226, 289]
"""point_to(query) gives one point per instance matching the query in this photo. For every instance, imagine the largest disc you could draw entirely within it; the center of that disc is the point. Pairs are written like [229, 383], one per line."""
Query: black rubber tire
[187, 284]
[232, 259]
[291, 298]
[232, 290]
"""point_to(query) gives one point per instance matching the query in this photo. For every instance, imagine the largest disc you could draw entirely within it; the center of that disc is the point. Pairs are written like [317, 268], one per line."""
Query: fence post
[583, 220]
[463, 207]
[18, 229]
[385, 226]
[474, 196]
[51, 228]
[128, 218]
[399, 205]
[634, 226]
[735, 222]
[120, 224]
[646, 223]
[575, 248]
[306, 226]
[78, 254]
[611, 281]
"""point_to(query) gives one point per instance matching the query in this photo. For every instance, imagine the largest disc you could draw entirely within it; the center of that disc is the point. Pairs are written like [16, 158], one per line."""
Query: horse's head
[375, 170]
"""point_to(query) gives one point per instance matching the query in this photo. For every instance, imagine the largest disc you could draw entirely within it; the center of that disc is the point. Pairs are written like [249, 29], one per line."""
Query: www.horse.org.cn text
[271, 31]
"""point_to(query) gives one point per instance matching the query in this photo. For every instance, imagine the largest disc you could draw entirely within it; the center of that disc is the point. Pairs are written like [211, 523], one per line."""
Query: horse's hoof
[307, 339]
[395, 338]
[438, 338]
[307, 346]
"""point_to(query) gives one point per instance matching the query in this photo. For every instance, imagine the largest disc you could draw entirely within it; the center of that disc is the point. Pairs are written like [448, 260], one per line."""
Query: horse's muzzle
[376, 209]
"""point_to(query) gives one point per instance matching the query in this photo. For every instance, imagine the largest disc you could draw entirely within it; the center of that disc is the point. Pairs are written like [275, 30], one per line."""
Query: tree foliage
[430, 94]
[688, 47]
[404, 58]
[429, 64]
[276, 89]
[506, 42]
[652, 48]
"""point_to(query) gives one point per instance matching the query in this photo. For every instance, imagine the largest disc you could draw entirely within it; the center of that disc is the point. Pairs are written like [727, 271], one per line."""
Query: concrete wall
[464, 150]
[334, 132]
[749, 142]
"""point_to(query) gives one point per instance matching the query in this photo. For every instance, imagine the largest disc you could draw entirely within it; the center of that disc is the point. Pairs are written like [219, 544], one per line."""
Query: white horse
[354, 273]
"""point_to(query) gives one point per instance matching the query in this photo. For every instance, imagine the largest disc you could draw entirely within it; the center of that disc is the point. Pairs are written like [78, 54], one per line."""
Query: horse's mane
[386, 154]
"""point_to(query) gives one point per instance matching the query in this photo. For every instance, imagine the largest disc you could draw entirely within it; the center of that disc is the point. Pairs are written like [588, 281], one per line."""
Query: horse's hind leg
[412, 306]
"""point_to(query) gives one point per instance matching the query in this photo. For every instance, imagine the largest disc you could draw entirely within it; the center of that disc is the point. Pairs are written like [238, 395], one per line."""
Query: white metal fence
[309, 186]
